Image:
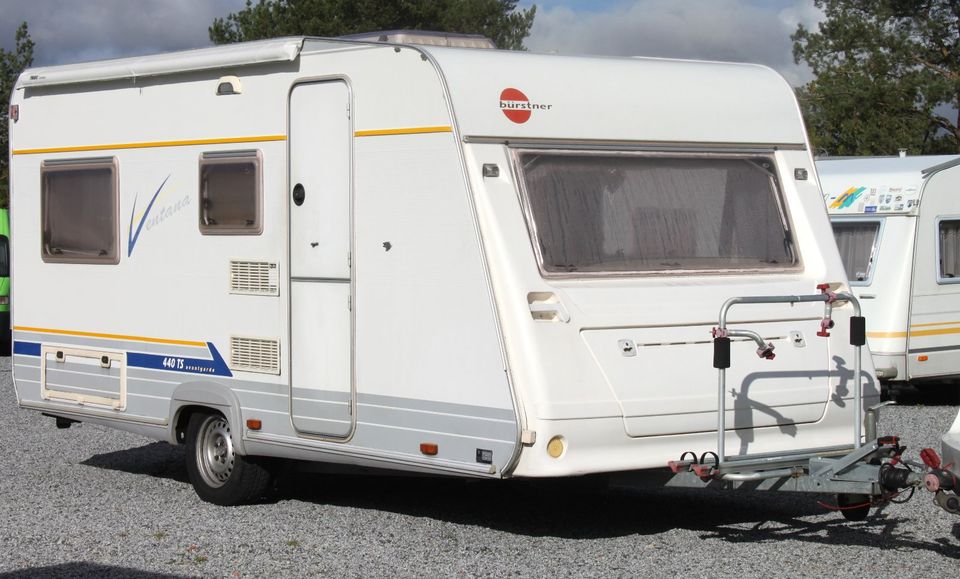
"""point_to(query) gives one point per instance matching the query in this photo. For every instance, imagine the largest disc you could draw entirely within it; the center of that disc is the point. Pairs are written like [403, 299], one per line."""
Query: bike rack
[871, 472]
[721, 355]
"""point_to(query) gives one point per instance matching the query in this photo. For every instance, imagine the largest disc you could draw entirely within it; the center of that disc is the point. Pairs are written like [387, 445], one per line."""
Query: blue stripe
[215, 366]
[26, 348]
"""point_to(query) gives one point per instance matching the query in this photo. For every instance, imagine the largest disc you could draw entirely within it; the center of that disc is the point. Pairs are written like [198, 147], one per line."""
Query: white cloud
[72, 31]
[730, 30]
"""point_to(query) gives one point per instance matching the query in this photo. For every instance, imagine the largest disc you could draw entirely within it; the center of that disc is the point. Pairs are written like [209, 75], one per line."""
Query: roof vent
[424, 37]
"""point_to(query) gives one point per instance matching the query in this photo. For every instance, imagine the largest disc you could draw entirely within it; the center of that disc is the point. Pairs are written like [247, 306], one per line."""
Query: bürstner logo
[517, 106]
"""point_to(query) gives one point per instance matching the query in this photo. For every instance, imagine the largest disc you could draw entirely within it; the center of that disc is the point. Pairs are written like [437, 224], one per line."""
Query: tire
[218, 474]
[854, 507]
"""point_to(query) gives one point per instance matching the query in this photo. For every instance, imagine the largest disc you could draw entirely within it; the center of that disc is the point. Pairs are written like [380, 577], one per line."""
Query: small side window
[230, 198]
[949, 251]
[79, 211]
[857, 242]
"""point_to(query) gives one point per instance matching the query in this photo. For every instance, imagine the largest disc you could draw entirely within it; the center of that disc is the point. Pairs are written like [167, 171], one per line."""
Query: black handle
[299, 194]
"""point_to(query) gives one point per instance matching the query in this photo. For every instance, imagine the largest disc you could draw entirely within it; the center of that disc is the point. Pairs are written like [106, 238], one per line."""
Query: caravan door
[321, 326]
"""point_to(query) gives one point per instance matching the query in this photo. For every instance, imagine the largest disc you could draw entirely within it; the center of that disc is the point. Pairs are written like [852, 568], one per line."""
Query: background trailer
[897, 224]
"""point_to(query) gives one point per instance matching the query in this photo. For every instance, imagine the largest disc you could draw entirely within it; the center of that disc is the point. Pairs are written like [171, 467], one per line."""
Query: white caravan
[897, 224]
[454, 261]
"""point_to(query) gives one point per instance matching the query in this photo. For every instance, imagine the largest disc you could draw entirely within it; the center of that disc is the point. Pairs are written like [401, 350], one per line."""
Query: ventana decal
[148, 221]
[517, 107]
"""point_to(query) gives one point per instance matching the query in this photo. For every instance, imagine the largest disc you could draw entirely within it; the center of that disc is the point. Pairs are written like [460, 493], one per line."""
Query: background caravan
[897, 224]
[432, 259]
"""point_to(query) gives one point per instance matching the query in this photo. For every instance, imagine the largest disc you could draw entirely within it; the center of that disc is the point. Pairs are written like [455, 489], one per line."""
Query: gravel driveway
[93, 502]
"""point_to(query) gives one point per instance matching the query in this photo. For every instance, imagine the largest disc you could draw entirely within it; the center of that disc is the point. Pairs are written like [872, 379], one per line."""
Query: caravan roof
[663, 100]
[877, 184]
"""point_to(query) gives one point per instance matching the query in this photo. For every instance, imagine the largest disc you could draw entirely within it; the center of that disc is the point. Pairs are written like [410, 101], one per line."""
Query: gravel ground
[94, 502]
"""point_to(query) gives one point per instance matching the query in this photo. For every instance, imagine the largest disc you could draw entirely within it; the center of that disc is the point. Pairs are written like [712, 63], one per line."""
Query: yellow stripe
[404, 131]
[915, 333]
[936, 332]
[108, 336]
[149, 145]
[886, 334]
[934, 324]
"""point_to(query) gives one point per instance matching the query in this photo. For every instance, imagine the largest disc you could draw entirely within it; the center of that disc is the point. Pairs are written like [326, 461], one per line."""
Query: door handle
[546, 306]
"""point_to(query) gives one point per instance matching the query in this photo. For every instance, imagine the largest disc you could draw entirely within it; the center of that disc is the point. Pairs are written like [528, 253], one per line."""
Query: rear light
[556, 447]
[4, 300]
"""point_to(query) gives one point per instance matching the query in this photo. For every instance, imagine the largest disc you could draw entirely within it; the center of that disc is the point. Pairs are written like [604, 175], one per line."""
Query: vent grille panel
[259, 278]
[255, 355]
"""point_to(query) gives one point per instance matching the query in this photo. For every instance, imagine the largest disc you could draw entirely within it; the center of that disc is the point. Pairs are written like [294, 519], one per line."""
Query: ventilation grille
[260, 278]
[255, 355]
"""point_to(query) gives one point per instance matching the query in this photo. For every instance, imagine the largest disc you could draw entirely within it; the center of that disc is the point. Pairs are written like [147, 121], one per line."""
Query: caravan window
[79, 211]
[230, 193]
[857, 242]
[949, 251]
[595, 213]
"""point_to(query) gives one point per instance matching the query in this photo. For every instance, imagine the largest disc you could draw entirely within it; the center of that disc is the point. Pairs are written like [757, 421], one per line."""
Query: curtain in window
[79, 213]
[621, 213]
[855, 240]
[950, 249]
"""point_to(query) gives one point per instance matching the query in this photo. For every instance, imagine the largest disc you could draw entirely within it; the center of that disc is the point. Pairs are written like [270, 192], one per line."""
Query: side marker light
[922, 358]
[429, 448]
[254, 424]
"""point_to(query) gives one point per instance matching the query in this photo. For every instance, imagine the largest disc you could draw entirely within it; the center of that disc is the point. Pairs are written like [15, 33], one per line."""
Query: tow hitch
[868, 474]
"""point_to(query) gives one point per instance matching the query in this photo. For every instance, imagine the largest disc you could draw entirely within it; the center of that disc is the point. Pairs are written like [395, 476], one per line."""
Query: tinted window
[230, 192]
[615, 213]
[857, 241]
[950, 249]
[79, 211]
[4, 256]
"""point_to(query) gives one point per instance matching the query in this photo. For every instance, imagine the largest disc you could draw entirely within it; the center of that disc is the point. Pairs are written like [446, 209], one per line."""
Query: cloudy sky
[68, 31]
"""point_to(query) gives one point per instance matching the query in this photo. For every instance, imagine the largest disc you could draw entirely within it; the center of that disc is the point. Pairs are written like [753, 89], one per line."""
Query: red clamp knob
[766, 352]
[823, 287]
[930, 458]
[825, 325]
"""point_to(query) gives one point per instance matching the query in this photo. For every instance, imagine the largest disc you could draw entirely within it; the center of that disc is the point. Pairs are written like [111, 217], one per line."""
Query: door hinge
[349, 260]
[350, 303]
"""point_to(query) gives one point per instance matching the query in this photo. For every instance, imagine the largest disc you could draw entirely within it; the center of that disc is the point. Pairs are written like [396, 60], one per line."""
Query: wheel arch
[203, 397]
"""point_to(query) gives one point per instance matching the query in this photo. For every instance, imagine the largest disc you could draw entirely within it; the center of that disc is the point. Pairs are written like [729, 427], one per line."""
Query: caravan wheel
[218, 474]
[854, 507]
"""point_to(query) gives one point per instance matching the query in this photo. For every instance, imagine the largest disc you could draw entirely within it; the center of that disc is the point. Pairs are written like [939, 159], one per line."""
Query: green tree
[11, 65]
[887, 76]
[498, 20]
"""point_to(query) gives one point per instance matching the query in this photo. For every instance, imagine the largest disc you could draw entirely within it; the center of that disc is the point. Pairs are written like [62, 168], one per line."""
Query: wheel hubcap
[215, 456]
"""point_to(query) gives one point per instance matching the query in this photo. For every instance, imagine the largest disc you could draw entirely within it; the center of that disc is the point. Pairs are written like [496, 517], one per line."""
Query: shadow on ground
[581, 508]
[84, 570]
[924, 394]
[157, 459]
